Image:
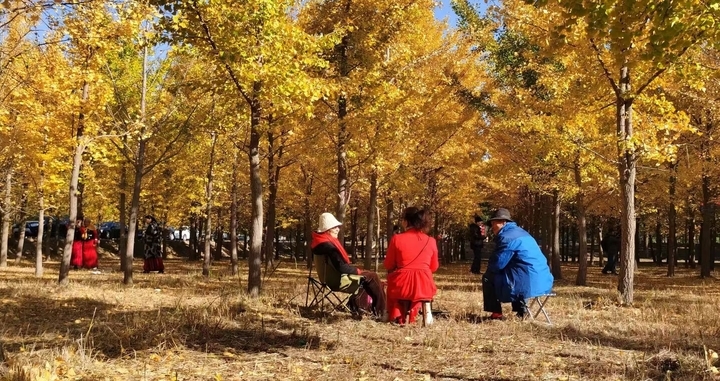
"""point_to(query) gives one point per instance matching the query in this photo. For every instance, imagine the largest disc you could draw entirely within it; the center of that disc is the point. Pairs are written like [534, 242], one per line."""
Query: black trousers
[491, 303]
[610, 265]
[477, 257]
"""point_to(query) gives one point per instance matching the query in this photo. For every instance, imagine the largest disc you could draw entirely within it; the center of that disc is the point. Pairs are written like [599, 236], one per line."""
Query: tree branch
[231, 72]
[614, 85]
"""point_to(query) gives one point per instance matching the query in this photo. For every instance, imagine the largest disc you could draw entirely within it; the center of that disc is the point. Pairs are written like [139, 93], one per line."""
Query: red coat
[411, 259]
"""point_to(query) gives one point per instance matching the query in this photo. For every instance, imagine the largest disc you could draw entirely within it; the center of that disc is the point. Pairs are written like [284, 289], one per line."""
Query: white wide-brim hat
[327, 222]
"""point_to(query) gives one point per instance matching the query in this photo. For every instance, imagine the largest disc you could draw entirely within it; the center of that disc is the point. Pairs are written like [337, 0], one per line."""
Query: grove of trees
[254, 118]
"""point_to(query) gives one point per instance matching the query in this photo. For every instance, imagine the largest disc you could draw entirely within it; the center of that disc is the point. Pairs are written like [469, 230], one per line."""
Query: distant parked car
[110, 230]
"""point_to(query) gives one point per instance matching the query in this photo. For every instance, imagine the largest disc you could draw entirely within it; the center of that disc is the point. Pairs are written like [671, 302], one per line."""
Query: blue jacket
[518, 266]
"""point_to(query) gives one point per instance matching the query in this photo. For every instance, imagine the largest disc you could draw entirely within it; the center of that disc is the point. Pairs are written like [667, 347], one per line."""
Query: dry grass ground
[180, 326]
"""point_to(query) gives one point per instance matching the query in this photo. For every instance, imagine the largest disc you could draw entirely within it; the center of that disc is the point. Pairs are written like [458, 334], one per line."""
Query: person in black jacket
[611, 246]
[477, 239]
[325, 242]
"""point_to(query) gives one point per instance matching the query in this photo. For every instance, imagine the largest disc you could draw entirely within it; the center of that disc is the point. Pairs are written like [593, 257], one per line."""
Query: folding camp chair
[540, 302]
[330, 286]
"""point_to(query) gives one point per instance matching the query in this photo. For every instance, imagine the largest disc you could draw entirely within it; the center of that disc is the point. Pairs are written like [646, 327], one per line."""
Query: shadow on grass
[39, 322]
[644, 344]
[441, 375]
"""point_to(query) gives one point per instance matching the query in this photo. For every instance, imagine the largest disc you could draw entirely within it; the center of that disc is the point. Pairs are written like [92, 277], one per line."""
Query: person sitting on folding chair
[517, 269]
[412, 258]
[341, 275]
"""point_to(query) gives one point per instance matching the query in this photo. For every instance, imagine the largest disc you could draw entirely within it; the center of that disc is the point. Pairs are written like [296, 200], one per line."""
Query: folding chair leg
[317, 291]
[528, 310]
[542, 309]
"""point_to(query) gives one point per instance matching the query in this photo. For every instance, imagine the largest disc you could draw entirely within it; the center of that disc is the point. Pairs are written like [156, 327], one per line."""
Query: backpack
[361, 302]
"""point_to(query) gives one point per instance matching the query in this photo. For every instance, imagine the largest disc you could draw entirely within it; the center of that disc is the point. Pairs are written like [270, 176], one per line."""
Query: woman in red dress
[76, 259]
[412, 258]
[89, 245]
[153, 255]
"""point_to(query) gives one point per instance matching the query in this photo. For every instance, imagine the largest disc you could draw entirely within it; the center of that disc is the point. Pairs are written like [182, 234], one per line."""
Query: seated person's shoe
[496, 316]
[523, 313]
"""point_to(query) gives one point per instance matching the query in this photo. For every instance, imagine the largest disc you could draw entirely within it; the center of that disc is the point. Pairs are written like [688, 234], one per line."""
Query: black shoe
[161, 272]
[523, 313]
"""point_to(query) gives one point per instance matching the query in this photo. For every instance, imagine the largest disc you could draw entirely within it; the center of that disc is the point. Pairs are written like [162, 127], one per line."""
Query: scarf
[318, 238]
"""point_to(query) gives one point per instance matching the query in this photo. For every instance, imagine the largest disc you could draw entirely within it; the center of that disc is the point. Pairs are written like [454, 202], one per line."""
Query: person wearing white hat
[325, 243]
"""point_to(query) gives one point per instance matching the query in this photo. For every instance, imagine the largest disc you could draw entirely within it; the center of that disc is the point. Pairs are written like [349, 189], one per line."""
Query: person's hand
[476, 272]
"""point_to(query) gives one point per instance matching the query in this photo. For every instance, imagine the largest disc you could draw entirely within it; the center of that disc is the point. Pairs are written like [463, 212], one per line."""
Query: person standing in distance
[477, 232]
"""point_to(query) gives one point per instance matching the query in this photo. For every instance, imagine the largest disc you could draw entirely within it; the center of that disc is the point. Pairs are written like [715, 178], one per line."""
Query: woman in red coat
[412, 258]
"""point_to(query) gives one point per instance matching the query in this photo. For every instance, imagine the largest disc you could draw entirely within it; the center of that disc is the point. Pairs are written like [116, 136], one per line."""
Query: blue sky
[444, 11]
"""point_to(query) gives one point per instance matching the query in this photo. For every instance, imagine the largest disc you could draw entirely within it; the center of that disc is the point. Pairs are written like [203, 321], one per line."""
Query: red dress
[411, 259]
[89, 249]
[76, 260]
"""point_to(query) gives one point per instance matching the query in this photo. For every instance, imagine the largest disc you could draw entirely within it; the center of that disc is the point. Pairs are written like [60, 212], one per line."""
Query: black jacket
[336, 260]
[611, 243]
[475, 235]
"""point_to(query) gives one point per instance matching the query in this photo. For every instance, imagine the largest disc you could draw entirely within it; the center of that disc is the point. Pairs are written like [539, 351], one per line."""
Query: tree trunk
[70, 235]
[194, 222]
[219, 240]
[705, 229]
[691, 239]
[556, 267]
[22, 212]
[581, 279]
[41, 221]
[389, 209]
[354, 232]
[165, 233]
[563, 242]
[139, 166]
[234, 218]
[600, 249]
[672, 218]
[343, 182]
[592, 242]
[278, 247]
[134, 211]
[370, 241]
[298, 239]
[256, 196]
[308, 181]
[657, 257]
[627, 171]
[645, 242]
[208, 207]
[122, 244]
[573, 244]
[6, 219]
[273, 179]
[548, 228]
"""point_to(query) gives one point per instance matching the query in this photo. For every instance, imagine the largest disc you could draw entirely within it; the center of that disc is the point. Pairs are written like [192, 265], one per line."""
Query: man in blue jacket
[517, 269]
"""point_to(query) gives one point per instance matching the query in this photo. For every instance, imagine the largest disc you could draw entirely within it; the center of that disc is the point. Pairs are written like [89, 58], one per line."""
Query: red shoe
[496, 316]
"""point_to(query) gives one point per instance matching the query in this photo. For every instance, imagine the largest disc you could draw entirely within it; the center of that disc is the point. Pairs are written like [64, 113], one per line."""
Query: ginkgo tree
[260, 55]
[634, 44]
